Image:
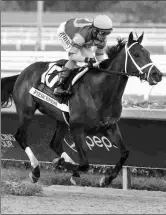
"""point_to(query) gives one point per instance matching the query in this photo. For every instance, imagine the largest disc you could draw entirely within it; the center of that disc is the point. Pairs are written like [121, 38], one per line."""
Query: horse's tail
[7, 85]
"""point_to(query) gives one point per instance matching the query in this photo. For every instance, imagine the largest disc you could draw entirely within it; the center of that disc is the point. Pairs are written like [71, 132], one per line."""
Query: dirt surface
[69, 200]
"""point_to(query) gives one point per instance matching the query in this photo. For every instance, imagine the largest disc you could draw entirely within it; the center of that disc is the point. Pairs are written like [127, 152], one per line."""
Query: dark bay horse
[96, 102]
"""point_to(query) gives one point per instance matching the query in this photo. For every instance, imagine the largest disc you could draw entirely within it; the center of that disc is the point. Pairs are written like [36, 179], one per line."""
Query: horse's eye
[136, 55]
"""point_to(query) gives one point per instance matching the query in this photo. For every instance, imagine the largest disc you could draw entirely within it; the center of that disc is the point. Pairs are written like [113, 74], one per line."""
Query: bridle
[141, 74]
[140, 69]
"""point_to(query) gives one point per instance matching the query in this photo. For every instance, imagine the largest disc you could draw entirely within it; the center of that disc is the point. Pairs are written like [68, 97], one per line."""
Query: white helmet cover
[102, 22]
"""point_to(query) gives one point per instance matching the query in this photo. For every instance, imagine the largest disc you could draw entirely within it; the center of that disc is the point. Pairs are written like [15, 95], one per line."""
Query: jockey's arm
[74, 53]
[99, 54]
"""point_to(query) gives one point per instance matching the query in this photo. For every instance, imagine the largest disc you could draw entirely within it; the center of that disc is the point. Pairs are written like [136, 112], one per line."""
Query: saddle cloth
[51, 76]
[49, 80]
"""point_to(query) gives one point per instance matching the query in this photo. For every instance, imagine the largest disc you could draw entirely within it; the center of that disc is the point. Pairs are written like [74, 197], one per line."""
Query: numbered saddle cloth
[50, 77]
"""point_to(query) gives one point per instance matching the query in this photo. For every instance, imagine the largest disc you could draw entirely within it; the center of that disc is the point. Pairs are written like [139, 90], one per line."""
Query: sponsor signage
[40, 135]
[98, 147]
[144, 138]
[6, 140]
[10, 148]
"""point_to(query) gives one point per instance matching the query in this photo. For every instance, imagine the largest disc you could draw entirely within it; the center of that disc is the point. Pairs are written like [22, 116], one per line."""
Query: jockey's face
[101, 34]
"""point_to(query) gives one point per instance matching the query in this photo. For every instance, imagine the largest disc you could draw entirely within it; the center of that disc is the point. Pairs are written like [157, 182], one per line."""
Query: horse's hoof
[75, 180]
[58, 162]
[33, 178]
[104, 181]
[55, 161]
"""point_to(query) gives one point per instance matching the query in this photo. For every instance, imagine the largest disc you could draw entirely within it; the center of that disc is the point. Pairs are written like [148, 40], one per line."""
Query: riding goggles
[104, 32]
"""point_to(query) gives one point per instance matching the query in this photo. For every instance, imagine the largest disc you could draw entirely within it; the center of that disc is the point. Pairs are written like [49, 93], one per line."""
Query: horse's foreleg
[79, 139]
[21, 137]
[116, 139]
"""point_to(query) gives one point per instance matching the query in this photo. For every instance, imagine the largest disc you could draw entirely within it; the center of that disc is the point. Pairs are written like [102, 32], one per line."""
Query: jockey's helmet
[102, 26]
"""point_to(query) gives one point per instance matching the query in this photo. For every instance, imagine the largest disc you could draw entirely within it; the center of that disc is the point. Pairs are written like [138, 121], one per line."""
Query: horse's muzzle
[155, 77]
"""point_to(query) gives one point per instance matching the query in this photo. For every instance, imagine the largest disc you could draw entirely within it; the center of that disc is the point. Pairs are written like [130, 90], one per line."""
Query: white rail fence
[28, 36]
[16, 60]
[126, 172]
[13, 62]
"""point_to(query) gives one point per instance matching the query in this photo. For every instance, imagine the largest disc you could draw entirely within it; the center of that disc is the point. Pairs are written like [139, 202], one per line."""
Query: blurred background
[28, 30]
[20, 19]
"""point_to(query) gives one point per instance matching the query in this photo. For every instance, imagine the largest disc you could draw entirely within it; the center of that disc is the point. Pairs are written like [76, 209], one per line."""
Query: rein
[141, 75]
[110, 72]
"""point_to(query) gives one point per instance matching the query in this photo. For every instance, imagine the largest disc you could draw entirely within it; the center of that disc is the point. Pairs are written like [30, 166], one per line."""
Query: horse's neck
[116, 83]
[112, 86]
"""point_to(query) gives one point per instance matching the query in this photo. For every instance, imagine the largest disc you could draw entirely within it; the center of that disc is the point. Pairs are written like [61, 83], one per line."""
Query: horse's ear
[130, 39]
[139, 40]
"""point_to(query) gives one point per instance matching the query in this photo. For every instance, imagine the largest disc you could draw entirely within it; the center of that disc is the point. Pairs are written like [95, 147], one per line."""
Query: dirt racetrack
[69, 200]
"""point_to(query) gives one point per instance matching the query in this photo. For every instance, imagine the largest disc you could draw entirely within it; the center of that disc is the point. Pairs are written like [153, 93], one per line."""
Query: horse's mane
[113, 51]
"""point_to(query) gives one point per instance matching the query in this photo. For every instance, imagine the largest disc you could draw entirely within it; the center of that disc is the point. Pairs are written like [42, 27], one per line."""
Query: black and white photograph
[83, 107]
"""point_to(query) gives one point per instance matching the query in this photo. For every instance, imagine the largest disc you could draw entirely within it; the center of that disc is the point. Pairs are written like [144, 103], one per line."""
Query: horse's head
[138, 61]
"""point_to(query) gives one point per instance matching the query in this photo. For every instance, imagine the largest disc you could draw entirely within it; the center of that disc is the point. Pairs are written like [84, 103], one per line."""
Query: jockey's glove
[90, 61]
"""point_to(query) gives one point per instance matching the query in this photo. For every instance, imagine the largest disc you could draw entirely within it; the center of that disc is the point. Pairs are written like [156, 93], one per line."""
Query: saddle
[49, 80]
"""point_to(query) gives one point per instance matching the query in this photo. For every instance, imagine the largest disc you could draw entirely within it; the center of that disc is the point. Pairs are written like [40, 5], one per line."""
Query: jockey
[77, 37]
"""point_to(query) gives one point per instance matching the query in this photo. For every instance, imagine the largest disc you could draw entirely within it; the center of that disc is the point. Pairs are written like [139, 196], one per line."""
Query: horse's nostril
[156, 76]
[154, 73]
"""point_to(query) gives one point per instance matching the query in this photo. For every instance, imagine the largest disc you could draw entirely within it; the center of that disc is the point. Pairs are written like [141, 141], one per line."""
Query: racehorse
[96, 102]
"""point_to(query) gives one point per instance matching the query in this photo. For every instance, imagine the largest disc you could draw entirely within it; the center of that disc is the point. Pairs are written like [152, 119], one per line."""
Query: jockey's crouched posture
[77, 37]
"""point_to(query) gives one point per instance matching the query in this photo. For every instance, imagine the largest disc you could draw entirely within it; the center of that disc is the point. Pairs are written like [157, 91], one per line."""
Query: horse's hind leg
[116, 139]
[56, 142]
[56, 146]
[21, 137]
[78, 137]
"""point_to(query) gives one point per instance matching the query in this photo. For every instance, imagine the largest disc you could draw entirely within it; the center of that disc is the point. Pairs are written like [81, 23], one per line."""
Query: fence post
[126, 178]
[40, 9]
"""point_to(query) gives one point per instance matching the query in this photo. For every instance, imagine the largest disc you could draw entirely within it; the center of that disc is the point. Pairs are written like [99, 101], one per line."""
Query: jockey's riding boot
[63, 77]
